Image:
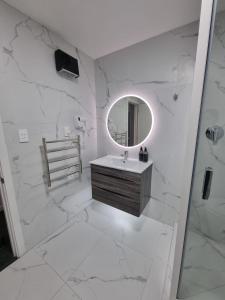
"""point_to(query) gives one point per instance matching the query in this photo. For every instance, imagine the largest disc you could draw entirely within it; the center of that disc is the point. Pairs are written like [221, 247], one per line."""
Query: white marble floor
[215, 294]
[204, 269]
[102, 254]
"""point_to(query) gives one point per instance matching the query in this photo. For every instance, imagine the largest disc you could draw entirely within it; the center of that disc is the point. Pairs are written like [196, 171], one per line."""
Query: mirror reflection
[129, 121]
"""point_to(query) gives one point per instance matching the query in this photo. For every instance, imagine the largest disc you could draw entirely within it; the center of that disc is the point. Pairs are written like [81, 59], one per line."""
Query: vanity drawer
[117, 185]
[118, 201]
[134, 178]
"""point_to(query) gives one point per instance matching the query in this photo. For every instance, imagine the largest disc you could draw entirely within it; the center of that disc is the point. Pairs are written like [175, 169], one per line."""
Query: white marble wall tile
[207, 217]
[204, 256]
[161, 71]
[35, 97]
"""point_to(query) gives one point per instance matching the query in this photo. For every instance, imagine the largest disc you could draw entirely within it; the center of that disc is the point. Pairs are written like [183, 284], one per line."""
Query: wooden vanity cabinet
[127, 191]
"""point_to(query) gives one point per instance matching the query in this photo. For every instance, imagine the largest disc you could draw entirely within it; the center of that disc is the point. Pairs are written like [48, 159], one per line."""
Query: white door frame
[198, 86]
[9, 200]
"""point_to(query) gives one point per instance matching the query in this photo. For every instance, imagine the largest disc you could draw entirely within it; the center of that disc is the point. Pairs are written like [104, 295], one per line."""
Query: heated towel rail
[70, 154]
[120, 138]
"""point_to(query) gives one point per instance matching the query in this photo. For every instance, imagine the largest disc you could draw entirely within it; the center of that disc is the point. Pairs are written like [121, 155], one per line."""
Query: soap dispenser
[141, 154]
[145, 155]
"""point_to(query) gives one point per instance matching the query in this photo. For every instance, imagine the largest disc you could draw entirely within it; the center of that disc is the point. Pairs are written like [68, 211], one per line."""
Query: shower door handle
[207, 183]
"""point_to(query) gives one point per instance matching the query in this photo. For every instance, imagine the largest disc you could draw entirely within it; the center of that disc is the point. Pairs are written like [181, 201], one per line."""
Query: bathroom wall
[35, 97]
[208, 216]
[161, 71]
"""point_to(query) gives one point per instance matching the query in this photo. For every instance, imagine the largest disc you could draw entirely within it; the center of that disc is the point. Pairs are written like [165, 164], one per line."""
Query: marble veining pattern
[102, 253]
[207, 217]
[44, 103]
[204, 256]
[204, 267]
[35, 97]
[161, 71]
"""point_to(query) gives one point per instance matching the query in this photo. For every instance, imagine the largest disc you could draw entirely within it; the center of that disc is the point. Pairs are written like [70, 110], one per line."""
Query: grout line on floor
[168, 266]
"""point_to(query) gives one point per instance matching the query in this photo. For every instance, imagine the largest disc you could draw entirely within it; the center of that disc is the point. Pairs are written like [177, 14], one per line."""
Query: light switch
[23, 136]
[67, 131]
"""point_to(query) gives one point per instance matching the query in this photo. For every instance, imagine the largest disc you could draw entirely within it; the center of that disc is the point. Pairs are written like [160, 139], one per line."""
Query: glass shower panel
[203, 267]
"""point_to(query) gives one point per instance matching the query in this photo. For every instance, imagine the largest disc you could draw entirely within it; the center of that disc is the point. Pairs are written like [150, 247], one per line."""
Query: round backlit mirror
[129, 121]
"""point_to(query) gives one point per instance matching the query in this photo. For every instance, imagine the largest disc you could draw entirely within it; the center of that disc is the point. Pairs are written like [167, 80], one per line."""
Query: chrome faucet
[125, 155]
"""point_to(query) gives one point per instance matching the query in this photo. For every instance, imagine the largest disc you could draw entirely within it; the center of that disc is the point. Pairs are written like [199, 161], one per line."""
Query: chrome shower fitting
[214, 133]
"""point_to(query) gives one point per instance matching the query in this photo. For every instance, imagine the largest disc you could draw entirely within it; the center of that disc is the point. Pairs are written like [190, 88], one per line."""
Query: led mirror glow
[129, 121]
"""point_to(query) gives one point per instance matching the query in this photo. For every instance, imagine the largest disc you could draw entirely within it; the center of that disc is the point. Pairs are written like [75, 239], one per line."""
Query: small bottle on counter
[141, 154]
[145, 155]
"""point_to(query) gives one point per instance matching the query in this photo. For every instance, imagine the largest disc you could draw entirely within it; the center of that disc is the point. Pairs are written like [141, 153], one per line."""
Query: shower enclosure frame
[195, 109]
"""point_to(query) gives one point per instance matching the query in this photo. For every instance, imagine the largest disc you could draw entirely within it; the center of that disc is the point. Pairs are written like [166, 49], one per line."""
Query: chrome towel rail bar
[76, 165]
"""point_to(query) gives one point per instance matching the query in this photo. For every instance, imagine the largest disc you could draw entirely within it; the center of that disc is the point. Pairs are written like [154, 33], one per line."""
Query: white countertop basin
[117, 162]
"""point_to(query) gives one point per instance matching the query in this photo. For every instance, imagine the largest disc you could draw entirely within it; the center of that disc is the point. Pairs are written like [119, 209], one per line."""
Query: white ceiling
[99, 27]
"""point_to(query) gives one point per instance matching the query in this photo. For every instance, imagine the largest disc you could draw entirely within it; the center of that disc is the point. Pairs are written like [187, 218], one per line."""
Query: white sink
[118, 162]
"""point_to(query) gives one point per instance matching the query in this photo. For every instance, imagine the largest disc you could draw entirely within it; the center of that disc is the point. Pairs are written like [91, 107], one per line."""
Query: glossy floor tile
[215, 294]
[69, 249]
[111, 271]
[102, 253]
[204, 268]
[29, 278]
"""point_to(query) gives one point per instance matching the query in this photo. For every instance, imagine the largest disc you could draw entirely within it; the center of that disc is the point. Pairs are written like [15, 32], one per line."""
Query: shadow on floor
[6, 255]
